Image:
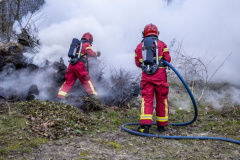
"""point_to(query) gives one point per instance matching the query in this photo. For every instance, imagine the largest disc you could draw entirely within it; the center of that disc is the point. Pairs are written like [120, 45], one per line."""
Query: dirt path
[121, 145]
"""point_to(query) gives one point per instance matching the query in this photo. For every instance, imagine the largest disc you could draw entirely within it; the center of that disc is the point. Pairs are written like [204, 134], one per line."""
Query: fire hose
[179, 124]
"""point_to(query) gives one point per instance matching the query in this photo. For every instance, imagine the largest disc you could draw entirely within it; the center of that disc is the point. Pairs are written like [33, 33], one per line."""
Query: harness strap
[147, 48]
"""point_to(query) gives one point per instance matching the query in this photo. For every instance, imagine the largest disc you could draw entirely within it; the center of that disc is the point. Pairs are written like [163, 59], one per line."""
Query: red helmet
[88, 37]
[150, 29]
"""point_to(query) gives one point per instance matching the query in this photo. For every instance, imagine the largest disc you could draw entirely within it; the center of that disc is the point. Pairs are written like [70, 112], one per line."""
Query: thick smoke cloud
[208, 29]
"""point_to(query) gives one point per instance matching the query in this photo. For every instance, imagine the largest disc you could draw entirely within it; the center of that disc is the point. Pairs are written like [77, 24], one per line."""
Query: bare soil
[119, 145]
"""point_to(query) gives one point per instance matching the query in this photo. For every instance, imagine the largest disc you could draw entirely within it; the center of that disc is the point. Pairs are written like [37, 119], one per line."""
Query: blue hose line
[175, 137]
[179, 124]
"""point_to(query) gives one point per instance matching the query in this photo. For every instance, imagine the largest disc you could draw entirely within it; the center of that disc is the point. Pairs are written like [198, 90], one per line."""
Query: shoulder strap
[80, 49]
[157, 56]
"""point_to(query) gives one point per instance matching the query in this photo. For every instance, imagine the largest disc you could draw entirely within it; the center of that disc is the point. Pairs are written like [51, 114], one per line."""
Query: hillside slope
[27, 133]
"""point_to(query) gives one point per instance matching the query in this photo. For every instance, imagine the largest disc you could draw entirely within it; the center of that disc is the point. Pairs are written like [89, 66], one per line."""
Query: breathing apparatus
[150, 65]
[76, 46]
[73, 51]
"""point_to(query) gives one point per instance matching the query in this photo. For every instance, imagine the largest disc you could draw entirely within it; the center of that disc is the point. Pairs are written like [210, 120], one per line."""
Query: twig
[219, 67]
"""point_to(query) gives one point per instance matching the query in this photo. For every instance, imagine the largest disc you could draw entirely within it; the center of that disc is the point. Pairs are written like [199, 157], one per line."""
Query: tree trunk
[17, 16]
[4, 16]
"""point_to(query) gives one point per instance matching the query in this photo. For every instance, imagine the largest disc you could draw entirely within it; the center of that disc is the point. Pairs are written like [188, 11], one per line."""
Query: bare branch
[219, 67]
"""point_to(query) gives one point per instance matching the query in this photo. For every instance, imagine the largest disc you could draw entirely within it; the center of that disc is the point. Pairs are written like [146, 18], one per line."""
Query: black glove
[163, 64]
[98, 53]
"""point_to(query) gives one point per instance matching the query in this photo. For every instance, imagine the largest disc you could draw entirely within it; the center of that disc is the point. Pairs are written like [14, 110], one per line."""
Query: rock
[33, 90]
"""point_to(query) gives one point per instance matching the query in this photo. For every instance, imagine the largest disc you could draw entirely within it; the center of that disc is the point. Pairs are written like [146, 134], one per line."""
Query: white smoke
[203, 26]
[18, 82]
[226, 96]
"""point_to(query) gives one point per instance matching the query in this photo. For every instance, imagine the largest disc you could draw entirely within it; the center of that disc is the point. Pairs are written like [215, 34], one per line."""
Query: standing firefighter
[79, 52]
[149, 56]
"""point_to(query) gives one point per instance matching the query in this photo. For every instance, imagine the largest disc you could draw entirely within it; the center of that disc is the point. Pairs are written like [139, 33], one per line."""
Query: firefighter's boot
[142, 129]
[161, 129]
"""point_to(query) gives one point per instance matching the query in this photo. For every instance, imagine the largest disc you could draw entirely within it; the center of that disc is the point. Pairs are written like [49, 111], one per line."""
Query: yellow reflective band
[83, 55]
[62, 93]
[146, 116]
[135, 54]
[165, 49]
[161, 67]
[166, 107]
[142, 106]
[140, 60]
[92, 88]
[88, 48]
[162, 119]
[158, 57]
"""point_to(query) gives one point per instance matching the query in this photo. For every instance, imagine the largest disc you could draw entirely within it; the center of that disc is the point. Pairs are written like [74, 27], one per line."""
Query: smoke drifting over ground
[207, 28]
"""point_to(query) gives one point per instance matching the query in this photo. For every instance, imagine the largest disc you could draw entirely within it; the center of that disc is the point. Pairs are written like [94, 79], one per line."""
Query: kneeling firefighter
[149, 56]
[78, 54]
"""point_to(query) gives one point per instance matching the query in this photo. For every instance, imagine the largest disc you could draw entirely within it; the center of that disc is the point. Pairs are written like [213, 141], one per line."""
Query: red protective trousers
[78, 71]
[150, 85]
[155, 84]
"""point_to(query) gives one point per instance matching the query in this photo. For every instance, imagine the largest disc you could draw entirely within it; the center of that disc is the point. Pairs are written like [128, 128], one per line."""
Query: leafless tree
[14, 10]
[193, 69]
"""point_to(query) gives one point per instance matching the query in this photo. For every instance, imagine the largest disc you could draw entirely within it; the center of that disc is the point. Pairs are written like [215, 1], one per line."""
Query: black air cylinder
[148, 50]
[73, 48]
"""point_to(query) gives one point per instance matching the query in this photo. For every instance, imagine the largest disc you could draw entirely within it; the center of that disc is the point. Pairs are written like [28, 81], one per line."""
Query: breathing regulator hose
[178, 124]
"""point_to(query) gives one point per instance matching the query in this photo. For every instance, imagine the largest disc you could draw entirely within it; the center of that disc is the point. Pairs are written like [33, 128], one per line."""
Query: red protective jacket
[155, 83]
[79, 71]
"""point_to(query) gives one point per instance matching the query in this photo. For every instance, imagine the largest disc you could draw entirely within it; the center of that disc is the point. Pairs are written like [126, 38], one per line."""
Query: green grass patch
[14, 135]
[112, 120]
[215, 113]
[24, 130]
[112, 145]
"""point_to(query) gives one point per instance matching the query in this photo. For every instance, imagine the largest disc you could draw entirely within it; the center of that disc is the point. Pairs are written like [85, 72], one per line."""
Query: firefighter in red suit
[79, 70]
[153, 84]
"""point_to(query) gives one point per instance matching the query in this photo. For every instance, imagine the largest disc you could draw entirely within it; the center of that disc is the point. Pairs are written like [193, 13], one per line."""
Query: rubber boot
[161, 129]
[142, 129]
